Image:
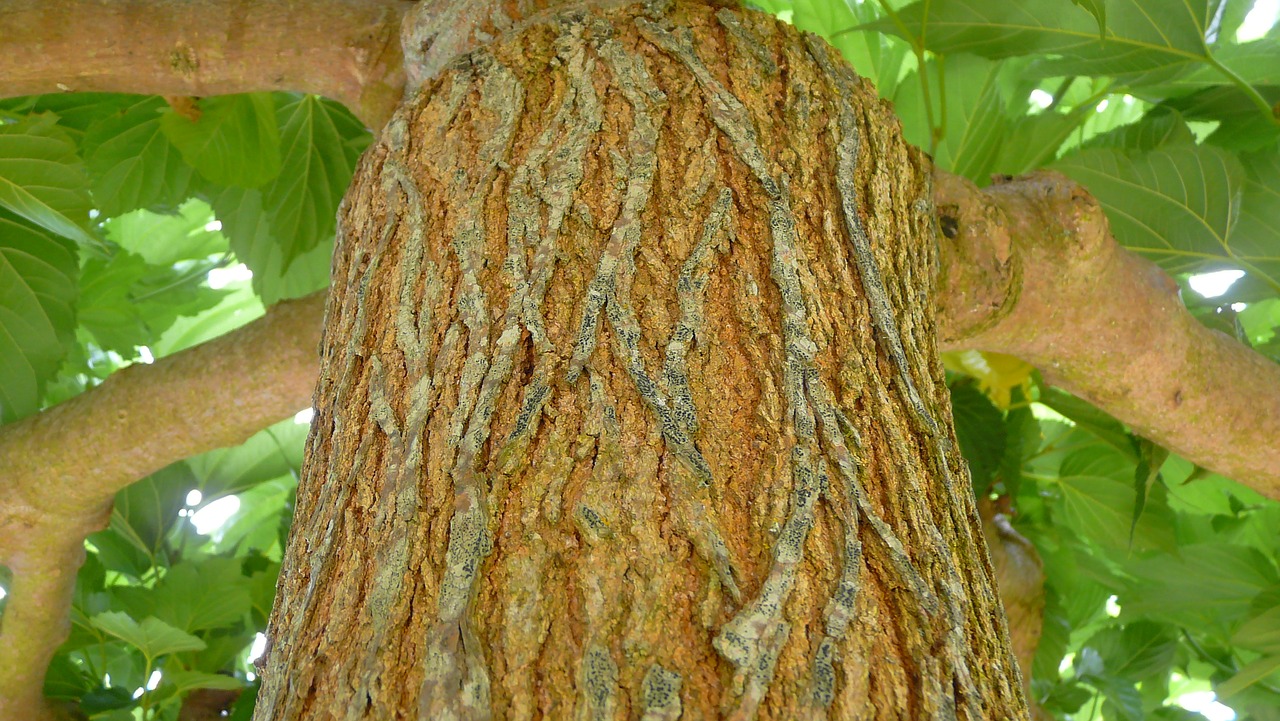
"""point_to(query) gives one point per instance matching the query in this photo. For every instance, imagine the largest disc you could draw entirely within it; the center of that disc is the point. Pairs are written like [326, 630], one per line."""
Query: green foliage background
[1162, 577]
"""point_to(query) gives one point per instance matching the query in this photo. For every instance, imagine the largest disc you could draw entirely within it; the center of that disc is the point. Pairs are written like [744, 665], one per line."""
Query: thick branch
[348, 50]
[1030, 269]
[62, 466]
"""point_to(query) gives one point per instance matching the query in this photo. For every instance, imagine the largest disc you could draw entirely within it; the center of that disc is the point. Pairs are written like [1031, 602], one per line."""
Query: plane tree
[675, 360]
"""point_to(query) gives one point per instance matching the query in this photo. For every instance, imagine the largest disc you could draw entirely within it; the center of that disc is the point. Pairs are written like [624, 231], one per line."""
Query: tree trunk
[630, 404]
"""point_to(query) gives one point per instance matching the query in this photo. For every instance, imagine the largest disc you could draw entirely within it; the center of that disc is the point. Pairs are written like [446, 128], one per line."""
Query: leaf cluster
[117, 214]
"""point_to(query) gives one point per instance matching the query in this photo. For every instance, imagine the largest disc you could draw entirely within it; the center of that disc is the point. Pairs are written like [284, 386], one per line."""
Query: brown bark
[630, 404]
[1020, 576]
[1033, 271]
[63, 466]
[344, 49]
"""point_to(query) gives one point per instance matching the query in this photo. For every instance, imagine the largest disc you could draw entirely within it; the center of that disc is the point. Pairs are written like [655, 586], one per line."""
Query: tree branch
[348, 50]
[63, 466]
[1029, 268]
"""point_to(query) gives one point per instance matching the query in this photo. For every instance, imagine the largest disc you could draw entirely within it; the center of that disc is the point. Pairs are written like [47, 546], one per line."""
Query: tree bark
[345, 49]
[630, 403]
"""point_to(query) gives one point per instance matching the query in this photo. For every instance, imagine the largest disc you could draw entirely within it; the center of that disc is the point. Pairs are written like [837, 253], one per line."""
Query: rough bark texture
[630, 405]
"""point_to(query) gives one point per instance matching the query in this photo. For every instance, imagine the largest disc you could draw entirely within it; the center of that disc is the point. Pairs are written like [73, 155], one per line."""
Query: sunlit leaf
[1137, 651]
[1092, 419]
[235, 141]
[875, 56]
[75, 111]
[1261, 633]
[183, 681]
[131, 162]
[1177, 204]
[201, 595]
[147, 509]
[238, 307]
[38, 276]
[1098, 501]
[152, 636]
[127, 302]
[1206, 585]
[42, 179]
[1256, 235]
[248, 228]
[981, 98]
[165, 239]
[321, 142]
[269, 454]
[1249, 675]
[1140, 35]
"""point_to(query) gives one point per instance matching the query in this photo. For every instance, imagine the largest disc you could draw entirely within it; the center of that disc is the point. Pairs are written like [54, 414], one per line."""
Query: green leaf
[981, 432]
[1140, 35]
[1065, 697]
[248, 228]
[146, 510]
[1177, 204]
[42, 179]
[1256, 62]
[153, 637]
[1022, 439]
[981, 98]
[1257, 234]
[1076, 579]
[238, 307]
[1055, 633]
[1260, 633]
[253, 524]
[131, 162]
[1123, 702]
[127, 302]
[1150, 458]
[1032, 141]
[875, 56]
[1249, 675]
[120, 552]
[1159, 127]
[117, 699]
[165, 239]
[321, 143]
[269, 454]
[65, 680]
[235, 141]
[202, 595]
[244, 708]
[75, 111]
[1090, 418]
[1241, 126]
[1098, 502]
[1137, 651]
[1206, 586]
[38, 291]
[1098, 9]
[184, 681]
[1174, 713]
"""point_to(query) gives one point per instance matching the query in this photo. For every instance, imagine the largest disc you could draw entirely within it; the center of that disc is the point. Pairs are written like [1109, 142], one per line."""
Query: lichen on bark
[630, 404]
